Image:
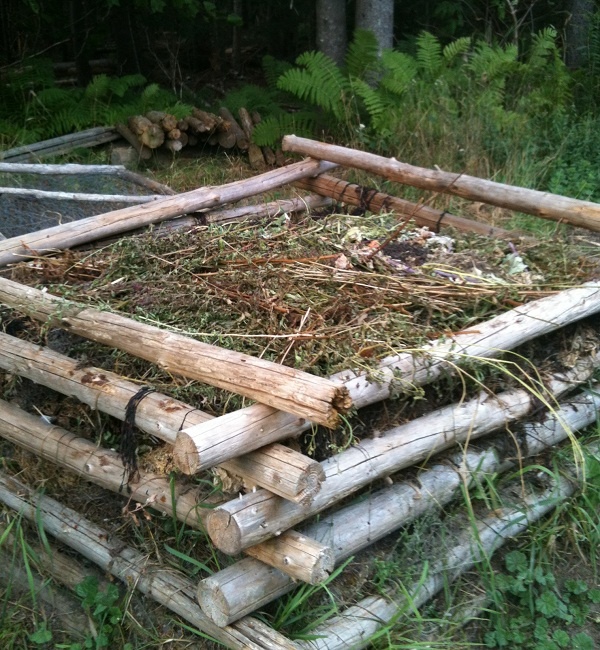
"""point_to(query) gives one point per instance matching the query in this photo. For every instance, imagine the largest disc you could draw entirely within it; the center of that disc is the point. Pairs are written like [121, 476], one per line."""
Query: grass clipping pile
[322, 294]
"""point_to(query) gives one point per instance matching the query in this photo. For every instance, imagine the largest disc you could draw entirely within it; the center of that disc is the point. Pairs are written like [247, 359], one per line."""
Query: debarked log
[225, 597]
[584, 214]
[166, 586]
[374, 201]
[113, 223]
[282, 387]
[78, 196]
[205, 445]
[258, 516]
[277, 468]
[100, 466]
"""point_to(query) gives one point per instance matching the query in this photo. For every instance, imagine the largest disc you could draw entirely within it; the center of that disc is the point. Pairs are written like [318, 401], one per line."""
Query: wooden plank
[584, 214]
[285, 388]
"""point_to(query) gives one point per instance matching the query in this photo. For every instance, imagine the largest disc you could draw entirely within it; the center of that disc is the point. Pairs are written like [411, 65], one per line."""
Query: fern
[362, 57]
[374, 102]
[273, 128]
[458, 48]
[399, 71]
[320, 83]
[429, 55]
[273, 69]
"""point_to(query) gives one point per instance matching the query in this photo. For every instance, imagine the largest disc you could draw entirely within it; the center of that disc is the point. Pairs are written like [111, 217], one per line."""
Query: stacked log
[161, 130]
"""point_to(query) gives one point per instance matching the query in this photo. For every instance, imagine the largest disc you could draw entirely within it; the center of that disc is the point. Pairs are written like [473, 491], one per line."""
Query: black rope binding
[128, 446]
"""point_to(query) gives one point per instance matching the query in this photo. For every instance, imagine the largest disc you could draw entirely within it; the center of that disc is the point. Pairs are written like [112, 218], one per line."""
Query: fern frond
[321, 83]
[429, 54]
[270, 131]
[98, 88]
[371, 98]
[363, 54]
[399, 71]
[273, 69]
[120, 85]
[456, 49]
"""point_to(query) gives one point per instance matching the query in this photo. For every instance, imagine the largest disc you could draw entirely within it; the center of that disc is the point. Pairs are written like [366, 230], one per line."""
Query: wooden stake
[113, 223]
[205, 445]
[279, 386]
[584, 214]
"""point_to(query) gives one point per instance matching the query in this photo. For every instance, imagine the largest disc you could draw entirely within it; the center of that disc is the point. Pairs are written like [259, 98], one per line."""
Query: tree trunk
[578, 32]
[377, 16]
[331, 29]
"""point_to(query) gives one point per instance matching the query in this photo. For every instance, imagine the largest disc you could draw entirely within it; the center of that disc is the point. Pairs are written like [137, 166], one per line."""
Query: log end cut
[185, 454]
[224, 531]
[213, 602]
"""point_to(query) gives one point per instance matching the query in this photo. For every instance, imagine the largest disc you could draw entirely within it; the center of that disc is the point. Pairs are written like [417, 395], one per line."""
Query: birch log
[205, 445]
[352, 528]
[375, 201]
[282, 387]
[276, 468]
[100, 226]
[260, 515]
[584, 214]
[105, 549]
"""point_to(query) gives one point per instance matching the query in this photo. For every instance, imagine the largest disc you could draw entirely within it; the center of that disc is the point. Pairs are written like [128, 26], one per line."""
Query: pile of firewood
[157, 129]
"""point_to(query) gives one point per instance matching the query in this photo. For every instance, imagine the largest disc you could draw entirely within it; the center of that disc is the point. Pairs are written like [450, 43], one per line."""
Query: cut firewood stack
[160, 130]
[271, 521]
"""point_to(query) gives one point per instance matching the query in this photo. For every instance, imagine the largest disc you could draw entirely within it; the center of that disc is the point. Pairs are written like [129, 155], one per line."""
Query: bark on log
[240, 139]
[113, 556]
[282, 387]
[215, 442]
[109, 224]
[259, 516]
[374, 201]
[166, 121]
[62, 170]
[146, 182]
[100, 466]
[286, 472]
[584, 214]
[208, 121]
[352, 528]
[143, 151]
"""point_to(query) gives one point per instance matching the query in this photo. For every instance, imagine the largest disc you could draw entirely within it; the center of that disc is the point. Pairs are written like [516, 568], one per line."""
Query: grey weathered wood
[259, 516]
[584, 214]
[105, 549]
[78, 196]
[199, 447]
[67, 169]
[100, 226]
[280, 386]
[352, 528]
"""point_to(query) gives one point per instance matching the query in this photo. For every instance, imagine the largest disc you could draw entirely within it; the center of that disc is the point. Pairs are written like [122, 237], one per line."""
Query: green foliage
[35, 108]
[534, 612]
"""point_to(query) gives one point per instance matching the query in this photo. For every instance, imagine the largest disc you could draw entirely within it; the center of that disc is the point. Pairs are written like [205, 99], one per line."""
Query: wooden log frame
[584, 214]
[230, 133]
[277, 468]
[201, 446]
[374, 201]
[105, 549]
[293, 391]
[78, 196]
[116, 222]
[354, 627]
[142, 150]
[258, 516]
[68, 169]
[224, 596]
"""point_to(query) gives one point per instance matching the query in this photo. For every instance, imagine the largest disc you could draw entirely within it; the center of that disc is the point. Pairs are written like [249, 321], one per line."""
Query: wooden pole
[100, 226]
[67, 169]
[78, 196]
[375, 201]
[279, 386]
[105, 549]
[258, 516]
[205, 445]
[584, 214]
[352, 528]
